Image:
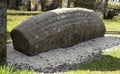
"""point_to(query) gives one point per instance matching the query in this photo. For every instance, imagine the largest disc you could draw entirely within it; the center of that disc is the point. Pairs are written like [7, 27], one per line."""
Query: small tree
[3, 7]
[42, 5]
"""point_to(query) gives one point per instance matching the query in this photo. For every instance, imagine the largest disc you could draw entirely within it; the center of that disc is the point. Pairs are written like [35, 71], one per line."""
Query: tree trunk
[66, 3]
[34, 4]
[100, 7]
[105, 8]
[42, 5]
[3, 6]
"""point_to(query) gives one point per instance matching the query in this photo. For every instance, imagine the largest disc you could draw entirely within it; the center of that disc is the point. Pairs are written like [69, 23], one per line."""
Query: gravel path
[62, 59]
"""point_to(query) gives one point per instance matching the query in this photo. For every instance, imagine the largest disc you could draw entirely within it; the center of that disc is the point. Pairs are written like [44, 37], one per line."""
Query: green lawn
[13, 21]
[8, 70]
[112, 25]
[108, 63]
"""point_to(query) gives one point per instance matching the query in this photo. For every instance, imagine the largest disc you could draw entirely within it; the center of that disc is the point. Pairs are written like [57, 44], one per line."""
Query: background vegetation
[112, 5]
[9, 70]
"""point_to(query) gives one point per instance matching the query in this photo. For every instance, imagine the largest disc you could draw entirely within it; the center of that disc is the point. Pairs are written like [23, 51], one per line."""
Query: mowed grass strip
[10, 70]
[112, 25]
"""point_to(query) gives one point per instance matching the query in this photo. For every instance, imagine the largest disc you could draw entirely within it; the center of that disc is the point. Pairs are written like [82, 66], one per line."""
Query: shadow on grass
[113, 32]
[22, 13]
[104, 63]
[8, 35]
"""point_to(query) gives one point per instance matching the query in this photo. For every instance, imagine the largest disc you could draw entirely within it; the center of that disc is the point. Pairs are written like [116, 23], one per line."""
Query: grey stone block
[58, 28]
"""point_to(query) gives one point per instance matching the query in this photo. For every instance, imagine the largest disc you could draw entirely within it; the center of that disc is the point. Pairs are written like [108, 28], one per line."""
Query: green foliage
[10, 70]
[116, 18]
[113, 5]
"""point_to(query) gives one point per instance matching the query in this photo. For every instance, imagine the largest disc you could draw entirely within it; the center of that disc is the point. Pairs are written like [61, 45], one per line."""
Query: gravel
[62, 59]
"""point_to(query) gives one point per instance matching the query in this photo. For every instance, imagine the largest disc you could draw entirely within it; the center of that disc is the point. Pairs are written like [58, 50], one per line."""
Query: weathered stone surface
[56, 29]
[3, 7]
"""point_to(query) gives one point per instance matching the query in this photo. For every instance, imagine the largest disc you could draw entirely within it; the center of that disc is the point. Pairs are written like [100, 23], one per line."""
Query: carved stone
[58, 28]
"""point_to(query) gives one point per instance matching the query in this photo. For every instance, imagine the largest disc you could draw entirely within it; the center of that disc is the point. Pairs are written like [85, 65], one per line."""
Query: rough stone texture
[57, 29]
[62, 59]
[3, 7]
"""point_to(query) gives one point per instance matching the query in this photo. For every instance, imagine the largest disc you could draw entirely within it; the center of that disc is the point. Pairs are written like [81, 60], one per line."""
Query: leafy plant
[112, 5]
[116, 18]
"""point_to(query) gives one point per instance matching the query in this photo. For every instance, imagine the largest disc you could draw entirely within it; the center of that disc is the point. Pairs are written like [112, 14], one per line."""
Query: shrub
[113, 9]
[113, 5]
[116, 18]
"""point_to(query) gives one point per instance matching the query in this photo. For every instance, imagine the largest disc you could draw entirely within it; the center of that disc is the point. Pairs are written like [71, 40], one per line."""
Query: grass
[112, 25]
[13, 21]
[9, 70]
[108, 63]
[16, 12]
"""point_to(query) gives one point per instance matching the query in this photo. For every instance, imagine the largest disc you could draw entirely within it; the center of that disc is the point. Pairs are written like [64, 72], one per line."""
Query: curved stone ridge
[56, 29]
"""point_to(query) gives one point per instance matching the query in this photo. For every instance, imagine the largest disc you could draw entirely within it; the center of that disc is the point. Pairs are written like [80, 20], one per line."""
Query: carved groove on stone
[55, 29]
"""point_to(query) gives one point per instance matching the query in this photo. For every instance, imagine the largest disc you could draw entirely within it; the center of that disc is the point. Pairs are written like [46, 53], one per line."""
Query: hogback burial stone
[56, 29]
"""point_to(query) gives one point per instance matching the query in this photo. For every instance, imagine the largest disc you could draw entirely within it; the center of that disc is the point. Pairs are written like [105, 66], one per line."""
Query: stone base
[61, 59]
